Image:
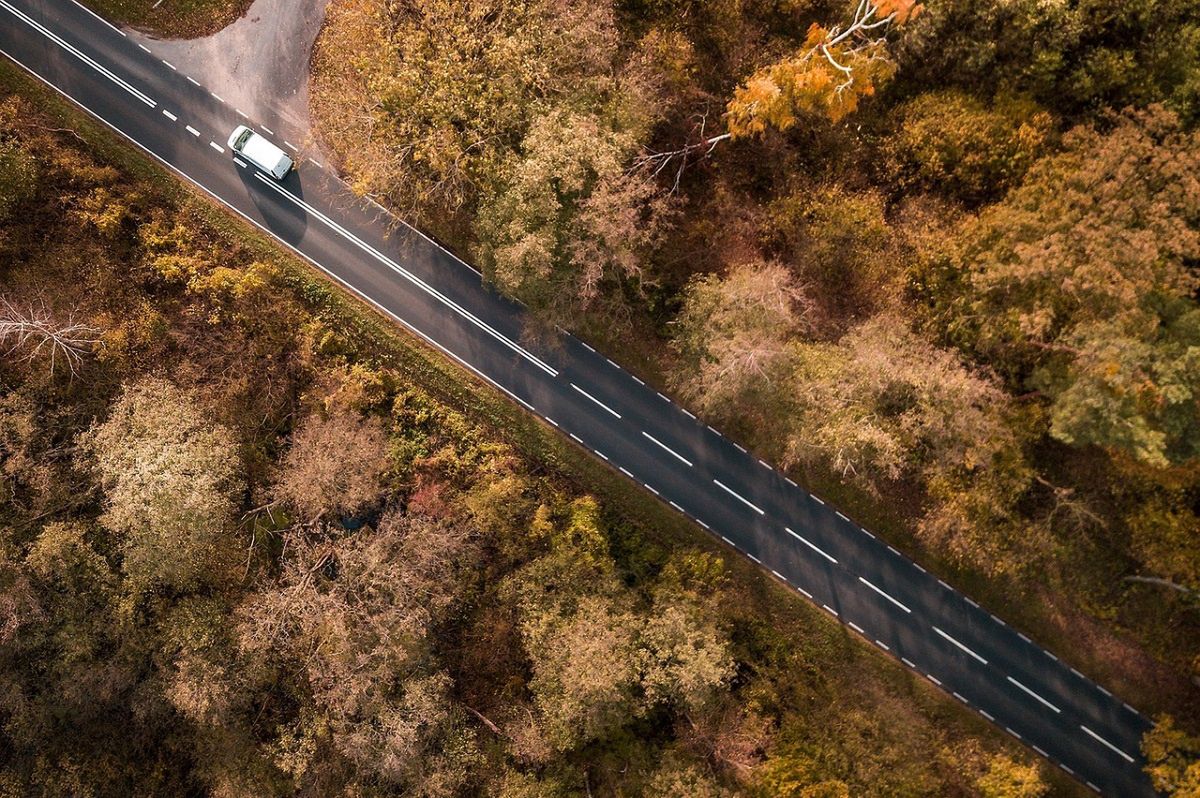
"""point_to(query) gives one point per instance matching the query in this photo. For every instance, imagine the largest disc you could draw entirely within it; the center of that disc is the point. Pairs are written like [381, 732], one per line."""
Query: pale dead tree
[831, 70]
[700, 148]
[34, 331]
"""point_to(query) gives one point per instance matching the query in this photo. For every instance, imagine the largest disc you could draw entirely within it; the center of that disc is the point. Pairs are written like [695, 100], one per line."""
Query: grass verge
[172, 19]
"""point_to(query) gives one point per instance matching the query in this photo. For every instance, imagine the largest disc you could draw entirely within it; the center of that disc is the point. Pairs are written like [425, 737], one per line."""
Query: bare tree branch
[36, 332]
[1155, 580]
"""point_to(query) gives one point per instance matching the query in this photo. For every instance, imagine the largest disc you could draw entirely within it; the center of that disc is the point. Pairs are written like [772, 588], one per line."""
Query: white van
[260, 152]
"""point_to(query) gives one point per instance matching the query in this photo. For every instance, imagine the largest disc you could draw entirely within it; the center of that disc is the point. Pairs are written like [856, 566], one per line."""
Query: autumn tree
[335, 465]
[1078, 285]
[170, 476]
[842, 249]
[599, 661]
[1172, 759]
[568, 224]
[953, 142]
[18, 175]
[353, 614]
[1007, 778]
[438, 117]
[732, 338]
[832, 71]
[882, 402]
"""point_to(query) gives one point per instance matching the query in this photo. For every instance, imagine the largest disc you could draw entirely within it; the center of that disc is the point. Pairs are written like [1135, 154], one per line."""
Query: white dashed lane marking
[1035, 695]
[170, 116]
[667, 449]
[192, 130]
[811, 545]
[216, 146]
[960, 645]
[597, 401]
[1107, 744]
[739, 497]
[884, 594]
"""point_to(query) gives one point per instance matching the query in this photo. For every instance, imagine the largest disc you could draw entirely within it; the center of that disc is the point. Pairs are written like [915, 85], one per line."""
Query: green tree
[1076, 57]
[170, 476]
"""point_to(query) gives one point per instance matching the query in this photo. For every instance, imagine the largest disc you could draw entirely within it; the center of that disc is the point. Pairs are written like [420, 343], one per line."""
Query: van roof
[263, 152]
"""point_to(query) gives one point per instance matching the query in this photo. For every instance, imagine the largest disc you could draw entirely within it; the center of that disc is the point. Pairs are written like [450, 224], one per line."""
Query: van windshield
[242, 139]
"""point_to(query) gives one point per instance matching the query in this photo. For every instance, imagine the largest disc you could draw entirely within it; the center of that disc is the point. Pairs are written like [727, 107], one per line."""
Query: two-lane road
[892, 602]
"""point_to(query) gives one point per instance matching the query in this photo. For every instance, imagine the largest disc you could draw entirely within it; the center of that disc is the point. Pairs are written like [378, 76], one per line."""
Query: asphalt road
[893, 603]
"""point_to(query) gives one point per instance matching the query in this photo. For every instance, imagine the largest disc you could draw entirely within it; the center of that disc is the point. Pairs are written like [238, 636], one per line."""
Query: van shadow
[278, 202]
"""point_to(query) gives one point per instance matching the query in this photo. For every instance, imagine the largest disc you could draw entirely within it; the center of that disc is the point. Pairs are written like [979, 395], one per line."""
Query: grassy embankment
[175, 19]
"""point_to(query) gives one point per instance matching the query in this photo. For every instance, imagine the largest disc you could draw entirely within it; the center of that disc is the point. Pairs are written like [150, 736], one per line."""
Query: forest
[940, 262]
[203, 594]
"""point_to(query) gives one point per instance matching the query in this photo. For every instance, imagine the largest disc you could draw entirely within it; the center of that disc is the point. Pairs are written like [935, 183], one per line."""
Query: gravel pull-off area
[258, 65]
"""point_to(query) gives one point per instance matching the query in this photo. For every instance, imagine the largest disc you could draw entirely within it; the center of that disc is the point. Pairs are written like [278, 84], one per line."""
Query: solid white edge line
[811, 545]
[597, 401]
[960, 645]
[739, 497]
[298, 253]
[79, 54]
[1057, 711]
[668, 449]
[884, 594]
[406, 274]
